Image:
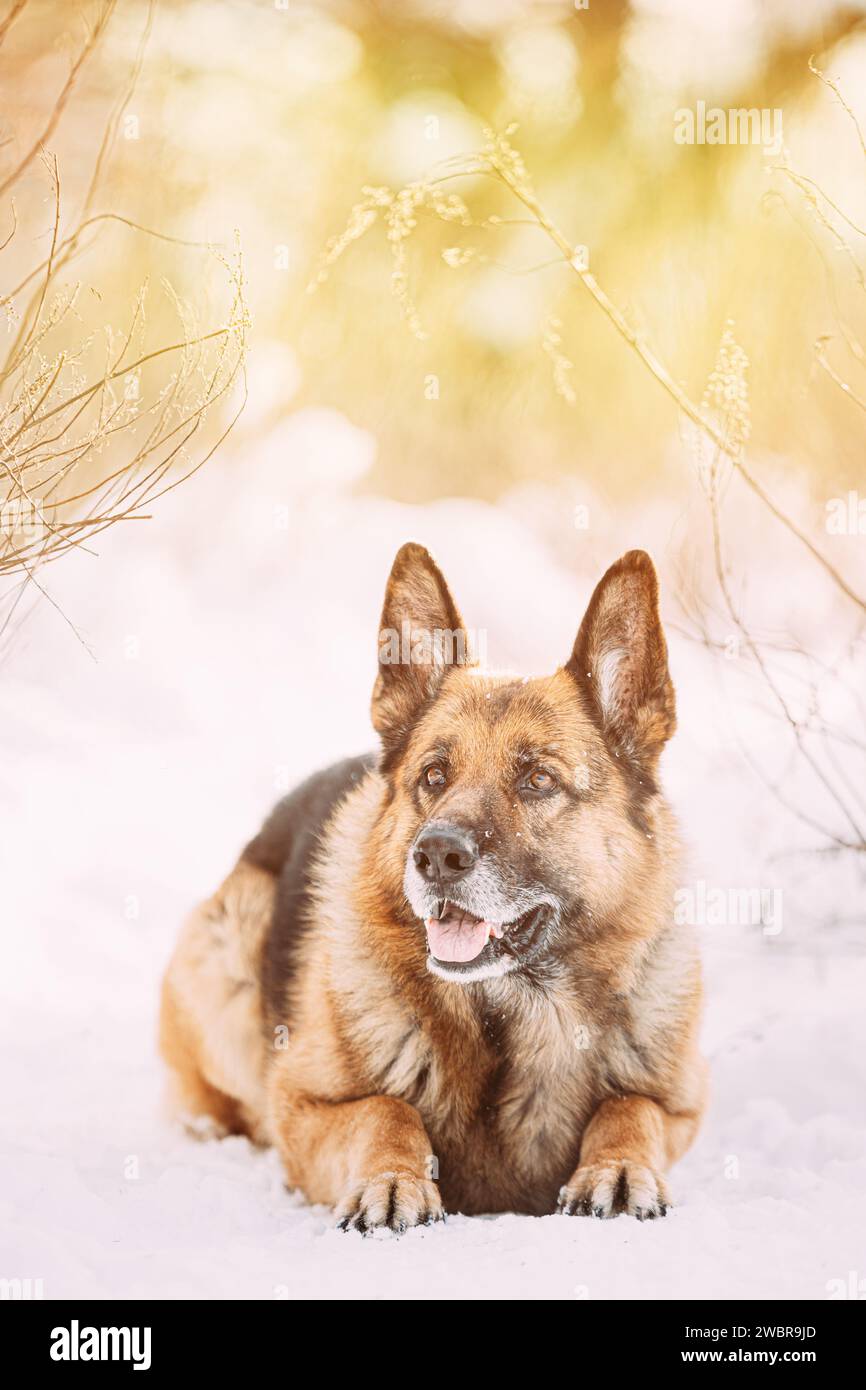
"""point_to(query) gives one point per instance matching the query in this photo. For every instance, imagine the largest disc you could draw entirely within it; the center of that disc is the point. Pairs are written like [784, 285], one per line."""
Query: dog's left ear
[620, 661]
[421, 634]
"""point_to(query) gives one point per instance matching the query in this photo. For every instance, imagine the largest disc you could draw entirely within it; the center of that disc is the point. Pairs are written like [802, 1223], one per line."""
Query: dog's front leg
[626, 1147]
[369, 1159]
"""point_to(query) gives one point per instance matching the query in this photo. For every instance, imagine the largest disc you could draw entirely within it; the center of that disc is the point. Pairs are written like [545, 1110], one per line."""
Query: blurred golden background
[265, 118]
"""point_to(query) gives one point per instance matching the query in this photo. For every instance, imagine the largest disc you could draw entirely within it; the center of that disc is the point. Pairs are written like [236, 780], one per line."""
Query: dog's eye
[540, 781]
[434, 776]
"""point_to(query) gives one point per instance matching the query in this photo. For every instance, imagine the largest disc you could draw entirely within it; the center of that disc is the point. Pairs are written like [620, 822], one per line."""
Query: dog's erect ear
[421, 634]
[620, 661]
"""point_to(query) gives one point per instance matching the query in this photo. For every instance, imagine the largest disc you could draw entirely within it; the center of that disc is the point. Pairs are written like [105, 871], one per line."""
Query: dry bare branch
[84, 446]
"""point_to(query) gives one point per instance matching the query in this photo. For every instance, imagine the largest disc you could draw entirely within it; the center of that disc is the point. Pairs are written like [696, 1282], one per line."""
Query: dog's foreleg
[369, 1159]
[626, 1147]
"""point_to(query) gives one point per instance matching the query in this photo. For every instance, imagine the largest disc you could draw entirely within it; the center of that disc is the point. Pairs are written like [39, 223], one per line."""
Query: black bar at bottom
[72, 1337]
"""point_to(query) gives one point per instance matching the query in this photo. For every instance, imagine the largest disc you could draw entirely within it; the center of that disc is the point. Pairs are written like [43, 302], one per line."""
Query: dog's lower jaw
[471, 971]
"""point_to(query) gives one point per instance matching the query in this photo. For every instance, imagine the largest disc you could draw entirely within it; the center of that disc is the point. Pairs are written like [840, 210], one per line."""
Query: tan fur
[210, 1021]
[385, 1083]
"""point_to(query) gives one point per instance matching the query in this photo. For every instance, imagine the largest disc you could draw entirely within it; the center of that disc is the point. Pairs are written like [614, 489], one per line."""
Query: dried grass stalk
[84, 446]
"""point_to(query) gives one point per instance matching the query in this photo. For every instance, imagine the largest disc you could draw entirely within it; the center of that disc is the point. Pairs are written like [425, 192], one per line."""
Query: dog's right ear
[421, 634]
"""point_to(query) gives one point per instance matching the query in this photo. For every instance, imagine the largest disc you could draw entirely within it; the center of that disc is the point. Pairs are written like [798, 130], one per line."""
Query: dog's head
[520, 811]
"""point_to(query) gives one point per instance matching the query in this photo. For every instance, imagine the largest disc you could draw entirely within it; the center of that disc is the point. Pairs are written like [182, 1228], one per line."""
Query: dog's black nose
[444, 853]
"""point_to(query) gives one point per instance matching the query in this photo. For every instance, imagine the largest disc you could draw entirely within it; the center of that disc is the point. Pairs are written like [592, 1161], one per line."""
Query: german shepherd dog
[449, 975]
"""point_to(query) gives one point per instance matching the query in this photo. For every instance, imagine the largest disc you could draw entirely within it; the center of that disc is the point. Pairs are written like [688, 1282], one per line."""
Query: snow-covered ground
[235, 644]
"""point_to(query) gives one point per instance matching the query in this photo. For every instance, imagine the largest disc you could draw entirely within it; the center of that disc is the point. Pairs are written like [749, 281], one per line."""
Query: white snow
[235, 639]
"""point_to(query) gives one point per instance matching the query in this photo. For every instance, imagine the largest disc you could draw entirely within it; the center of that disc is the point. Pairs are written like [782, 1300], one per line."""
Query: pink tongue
[456, 937]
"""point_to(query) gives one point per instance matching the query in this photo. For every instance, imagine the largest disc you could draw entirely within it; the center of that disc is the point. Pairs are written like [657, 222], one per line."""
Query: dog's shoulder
[286, 846]
[651, 1046]
[291, 830]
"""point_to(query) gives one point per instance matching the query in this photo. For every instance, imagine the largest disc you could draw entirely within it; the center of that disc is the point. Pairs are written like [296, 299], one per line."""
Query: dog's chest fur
[505, 1122]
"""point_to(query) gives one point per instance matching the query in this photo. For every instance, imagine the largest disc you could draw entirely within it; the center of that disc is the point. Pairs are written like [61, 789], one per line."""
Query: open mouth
[456, 936]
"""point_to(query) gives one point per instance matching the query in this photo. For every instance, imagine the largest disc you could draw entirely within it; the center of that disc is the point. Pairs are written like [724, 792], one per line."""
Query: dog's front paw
[614, 1187]
[392, 1200]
